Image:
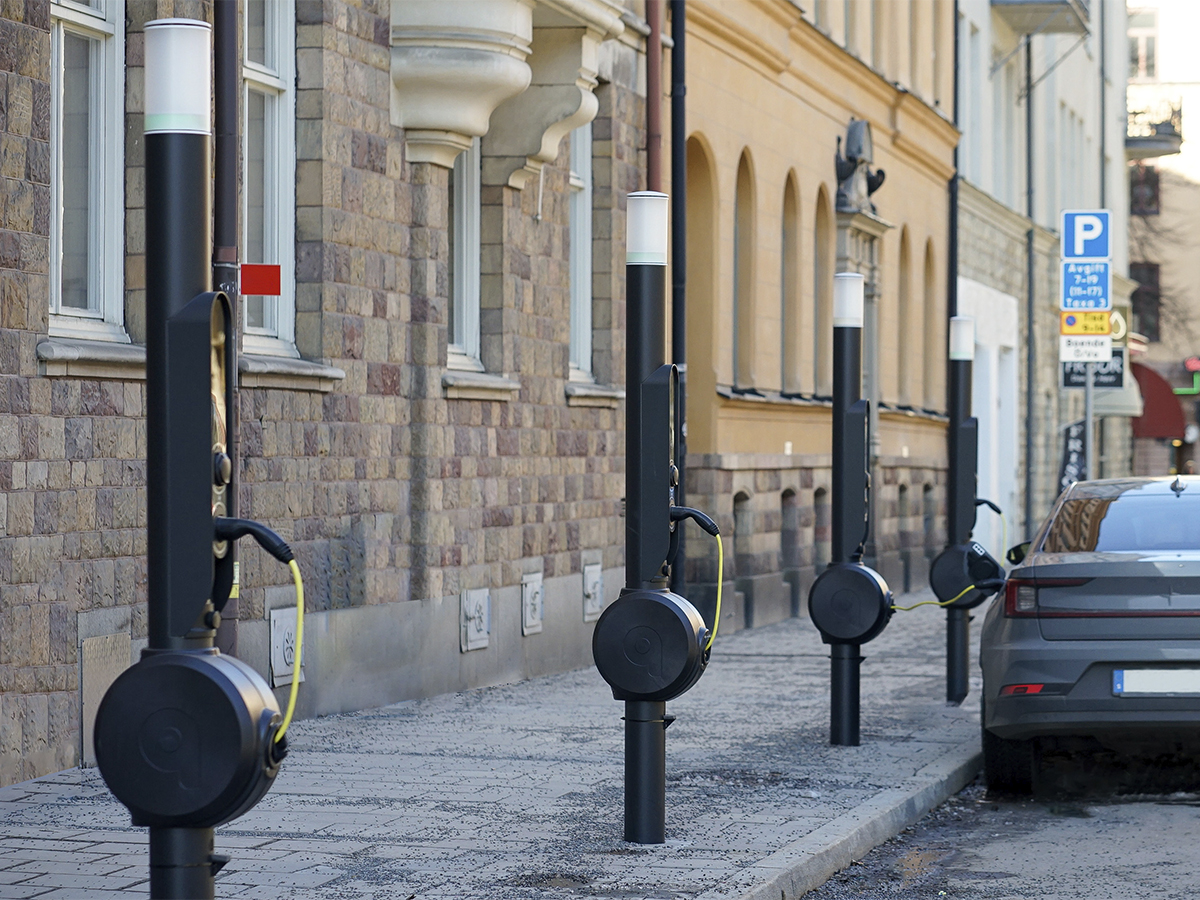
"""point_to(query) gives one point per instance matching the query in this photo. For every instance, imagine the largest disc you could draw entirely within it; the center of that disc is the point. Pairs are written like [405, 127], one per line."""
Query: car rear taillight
[1021, 595]
[1017, 689]
[1020, 598]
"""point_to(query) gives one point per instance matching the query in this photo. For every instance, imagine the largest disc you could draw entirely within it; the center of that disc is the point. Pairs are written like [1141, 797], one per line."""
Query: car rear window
[1130, 521]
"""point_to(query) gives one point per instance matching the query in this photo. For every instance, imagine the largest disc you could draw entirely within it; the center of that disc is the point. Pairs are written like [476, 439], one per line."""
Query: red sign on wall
[260, 280]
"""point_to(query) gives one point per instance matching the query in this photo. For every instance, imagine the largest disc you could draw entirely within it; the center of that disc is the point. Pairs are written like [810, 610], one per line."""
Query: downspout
[1099, 466]
[654, 96]
[679, 268]
[1030, 330]
[226, 83]
[952, 252]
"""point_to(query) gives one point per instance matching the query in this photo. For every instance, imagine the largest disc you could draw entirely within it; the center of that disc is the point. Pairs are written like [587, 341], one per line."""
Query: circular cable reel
[958, 568]
[185, 739]
[649, 645]
[849, 603]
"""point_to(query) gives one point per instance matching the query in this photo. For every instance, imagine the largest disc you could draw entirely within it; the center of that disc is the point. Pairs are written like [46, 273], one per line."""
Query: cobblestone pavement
[516, 791]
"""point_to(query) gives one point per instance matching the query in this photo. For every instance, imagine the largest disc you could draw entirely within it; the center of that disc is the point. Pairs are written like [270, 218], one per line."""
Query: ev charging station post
[187, 738]
[849, 603]
[650, 645]
[964, 460]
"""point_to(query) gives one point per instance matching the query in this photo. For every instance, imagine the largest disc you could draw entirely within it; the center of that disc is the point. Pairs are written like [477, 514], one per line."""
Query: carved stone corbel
[452, 65]
[527, 129]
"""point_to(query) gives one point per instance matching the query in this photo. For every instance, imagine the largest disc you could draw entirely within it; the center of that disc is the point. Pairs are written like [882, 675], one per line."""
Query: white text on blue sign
[1086, 285]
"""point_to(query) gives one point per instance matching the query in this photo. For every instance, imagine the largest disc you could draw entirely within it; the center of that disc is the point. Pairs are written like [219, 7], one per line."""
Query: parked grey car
[1097, 633]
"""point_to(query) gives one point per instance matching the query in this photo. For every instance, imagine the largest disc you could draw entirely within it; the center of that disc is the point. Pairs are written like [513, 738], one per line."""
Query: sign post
[1085, 327]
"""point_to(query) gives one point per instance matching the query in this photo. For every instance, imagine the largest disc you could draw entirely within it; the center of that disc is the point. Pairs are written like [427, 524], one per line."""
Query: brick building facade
[400, 480]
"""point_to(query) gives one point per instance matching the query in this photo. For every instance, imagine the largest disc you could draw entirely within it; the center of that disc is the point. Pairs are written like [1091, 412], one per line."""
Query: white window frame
[105, 320]
[581, 254]
[277, 83]
[463, 345]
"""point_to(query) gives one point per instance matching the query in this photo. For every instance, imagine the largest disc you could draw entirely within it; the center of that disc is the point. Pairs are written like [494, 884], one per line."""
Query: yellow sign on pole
[1085, 323]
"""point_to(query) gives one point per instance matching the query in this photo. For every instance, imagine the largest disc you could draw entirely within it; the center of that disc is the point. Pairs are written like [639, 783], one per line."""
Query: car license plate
[1156, 681]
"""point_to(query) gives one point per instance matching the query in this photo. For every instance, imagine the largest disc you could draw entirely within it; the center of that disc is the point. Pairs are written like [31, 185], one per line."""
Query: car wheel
[1007, 765]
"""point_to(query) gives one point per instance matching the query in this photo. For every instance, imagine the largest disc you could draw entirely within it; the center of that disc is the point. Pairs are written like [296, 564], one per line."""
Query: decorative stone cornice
[453, 64]
[526, 129]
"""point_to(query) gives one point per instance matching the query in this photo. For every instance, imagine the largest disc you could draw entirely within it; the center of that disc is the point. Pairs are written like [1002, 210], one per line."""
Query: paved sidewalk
[516, 791]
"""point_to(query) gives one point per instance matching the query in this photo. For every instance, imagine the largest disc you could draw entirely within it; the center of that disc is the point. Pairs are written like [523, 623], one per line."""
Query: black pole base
[182, 864]
[958, 654]
[844, 665]
[645, 771]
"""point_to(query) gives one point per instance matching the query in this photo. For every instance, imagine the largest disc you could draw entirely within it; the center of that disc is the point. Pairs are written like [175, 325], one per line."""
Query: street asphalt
[515, 791]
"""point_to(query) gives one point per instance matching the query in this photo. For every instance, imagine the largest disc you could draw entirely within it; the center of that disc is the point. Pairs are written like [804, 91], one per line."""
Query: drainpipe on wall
[654, 96]
[226, 82]
[679, 268]
[1030, 306]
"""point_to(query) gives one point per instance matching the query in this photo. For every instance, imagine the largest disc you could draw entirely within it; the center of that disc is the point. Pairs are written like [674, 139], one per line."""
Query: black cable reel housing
[186, 739]
[961, 567]
[648, 645]
[849, 603]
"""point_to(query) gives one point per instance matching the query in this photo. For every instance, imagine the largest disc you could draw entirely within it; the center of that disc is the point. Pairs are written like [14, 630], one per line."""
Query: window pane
[256, 31]
[1150, 55]
[1134, 58]
[77, 53]
[259, 310]
[451, 320]
[581, 250]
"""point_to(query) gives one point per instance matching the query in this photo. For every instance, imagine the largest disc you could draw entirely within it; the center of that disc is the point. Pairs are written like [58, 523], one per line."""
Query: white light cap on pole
[962, 338]
[178, 76]
[646, 229]
[848, 300]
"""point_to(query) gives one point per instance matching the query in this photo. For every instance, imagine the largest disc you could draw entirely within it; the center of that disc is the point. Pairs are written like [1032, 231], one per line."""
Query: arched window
[822, 534]
[789, 289]
[929, 521]
[933, 350]
[789, 530]
[706, 333]
[823, 263]
[743, 276]
[904, 317]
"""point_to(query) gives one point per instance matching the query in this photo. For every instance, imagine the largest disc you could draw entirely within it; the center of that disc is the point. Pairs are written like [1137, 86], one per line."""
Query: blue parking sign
[1086, 234]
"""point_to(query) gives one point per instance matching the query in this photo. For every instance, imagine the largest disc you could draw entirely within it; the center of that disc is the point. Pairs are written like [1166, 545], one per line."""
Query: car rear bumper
[1078, 696]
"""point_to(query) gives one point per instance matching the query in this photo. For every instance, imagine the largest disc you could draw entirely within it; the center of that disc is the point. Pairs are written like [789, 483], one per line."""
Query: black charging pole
[179, 519]
[848, 500]
[963, 439]
[650, 645]
[645, 330]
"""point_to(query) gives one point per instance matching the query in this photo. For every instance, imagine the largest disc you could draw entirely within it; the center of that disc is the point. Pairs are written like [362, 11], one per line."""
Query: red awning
[1163, 416]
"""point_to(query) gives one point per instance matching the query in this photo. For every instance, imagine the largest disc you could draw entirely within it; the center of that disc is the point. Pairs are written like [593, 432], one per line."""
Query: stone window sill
[586, 393]
[76, 358]
[460, 385]
[289, 374]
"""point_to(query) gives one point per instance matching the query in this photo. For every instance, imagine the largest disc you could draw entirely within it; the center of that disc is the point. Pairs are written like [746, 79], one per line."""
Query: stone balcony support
[521, 72]
[526, 129]
[452, 65]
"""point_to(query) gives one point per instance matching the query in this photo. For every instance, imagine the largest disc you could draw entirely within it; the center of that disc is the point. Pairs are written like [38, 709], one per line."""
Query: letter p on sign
[1085, 234]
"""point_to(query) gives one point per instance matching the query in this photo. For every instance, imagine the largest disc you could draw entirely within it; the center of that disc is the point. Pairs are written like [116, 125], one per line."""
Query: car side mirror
[1016, 555]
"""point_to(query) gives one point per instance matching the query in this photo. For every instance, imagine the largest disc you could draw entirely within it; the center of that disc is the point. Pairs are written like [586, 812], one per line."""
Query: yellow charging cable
[957, 596]
[720, 581]
[291, 705]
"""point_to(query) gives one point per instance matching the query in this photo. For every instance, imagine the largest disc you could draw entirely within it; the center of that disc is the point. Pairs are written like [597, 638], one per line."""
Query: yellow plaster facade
[770, 92]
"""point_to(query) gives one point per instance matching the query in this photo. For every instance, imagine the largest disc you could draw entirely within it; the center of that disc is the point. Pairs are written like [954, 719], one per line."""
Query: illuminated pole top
[962, 338]
[178, 76]
[646, 234]
[848, 300]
